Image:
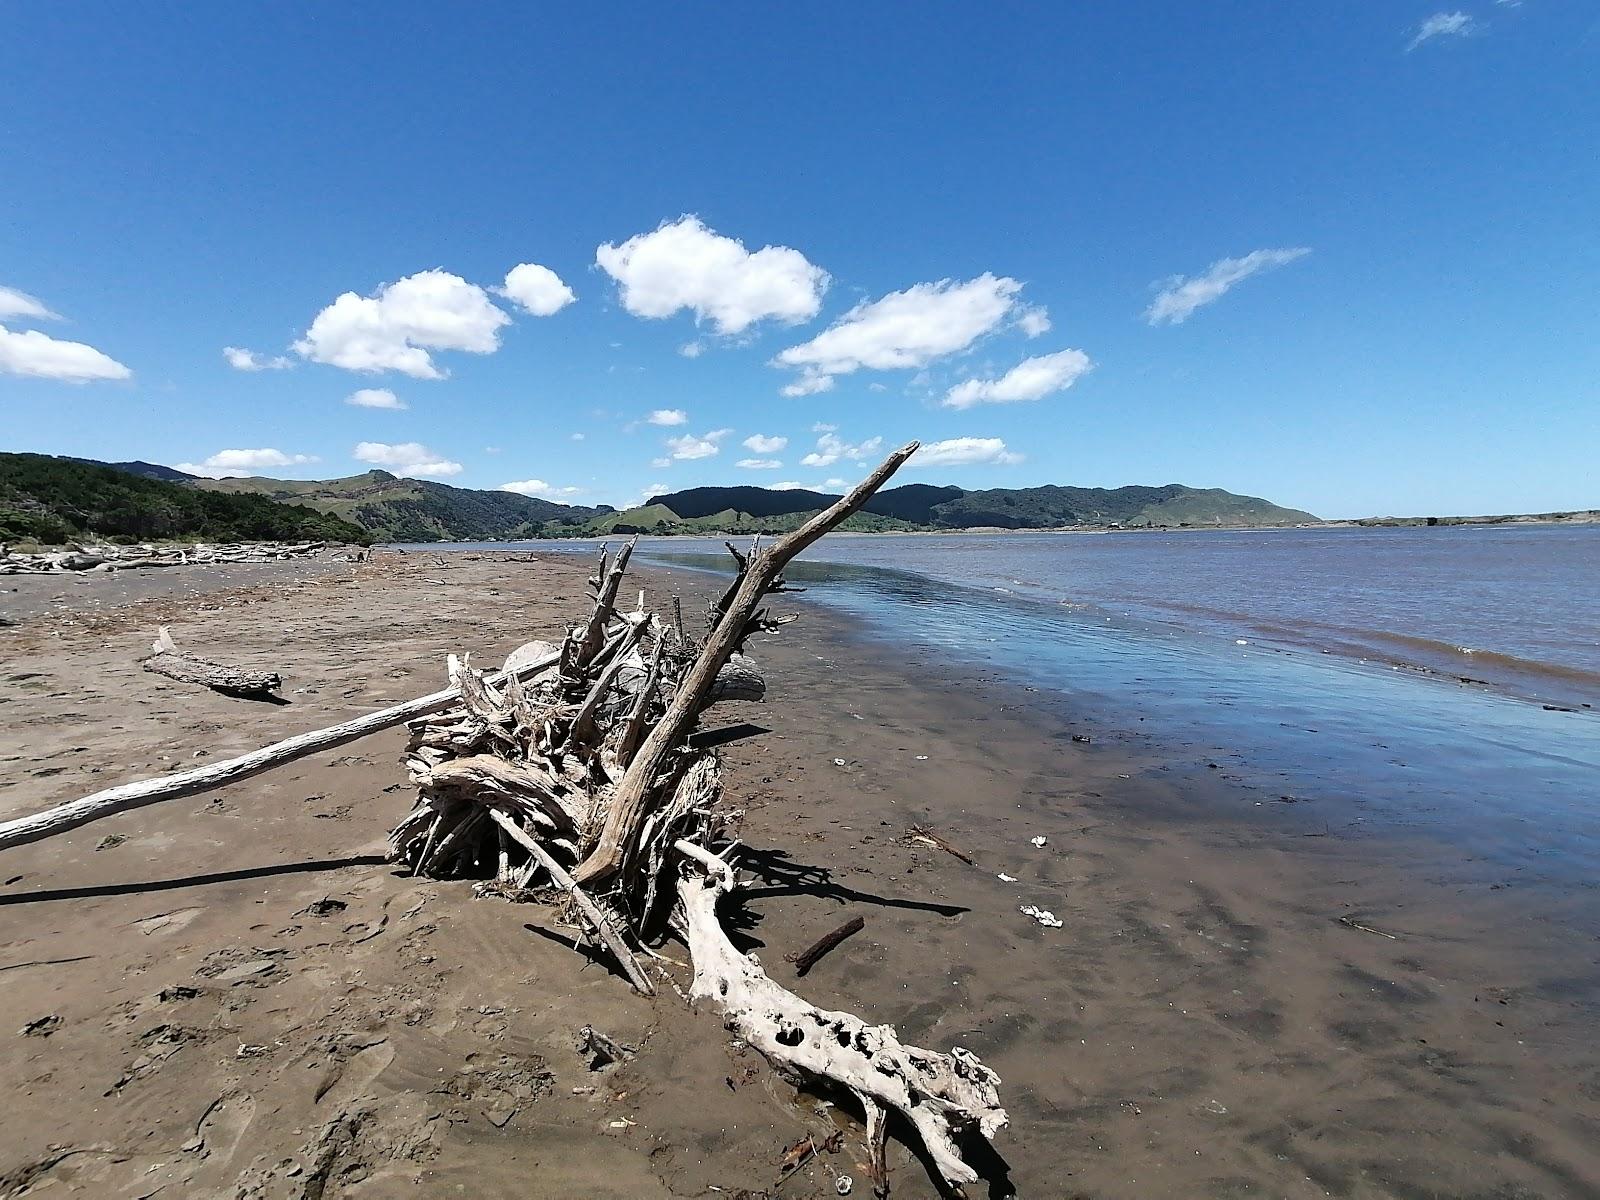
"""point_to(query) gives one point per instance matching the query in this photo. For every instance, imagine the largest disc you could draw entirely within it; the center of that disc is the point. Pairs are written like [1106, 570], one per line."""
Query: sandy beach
[235, 995]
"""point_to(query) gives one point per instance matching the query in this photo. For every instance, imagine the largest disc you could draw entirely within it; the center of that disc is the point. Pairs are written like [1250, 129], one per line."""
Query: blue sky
[1342, 256]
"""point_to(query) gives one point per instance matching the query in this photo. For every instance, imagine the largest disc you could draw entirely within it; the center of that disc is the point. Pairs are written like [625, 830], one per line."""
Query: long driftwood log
[126, 796]
[219, 677]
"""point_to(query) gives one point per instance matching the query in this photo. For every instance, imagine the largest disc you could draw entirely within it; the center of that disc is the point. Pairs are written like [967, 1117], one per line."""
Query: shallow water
[1517, 607]
[1296, 662]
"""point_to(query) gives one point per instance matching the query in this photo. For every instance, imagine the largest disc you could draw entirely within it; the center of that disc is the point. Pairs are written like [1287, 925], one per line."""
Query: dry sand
[233, 995]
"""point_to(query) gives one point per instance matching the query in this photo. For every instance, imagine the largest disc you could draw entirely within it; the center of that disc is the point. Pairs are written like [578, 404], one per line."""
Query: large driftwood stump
[219, 677]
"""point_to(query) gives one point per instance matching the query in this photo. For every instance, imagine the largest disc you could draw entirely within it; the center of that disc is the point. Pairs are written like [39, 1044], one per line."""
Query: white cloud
[809, 384]
[19, 304]
[906, 329]
[765, 445]
[1443, 24]
[231, 464]
[248, 360]
[760, 464]
[578, 437]
[538, 487]
[824, 427]
[668, 416]
[396, 327]
[835, 483]
[689, 446]
[1031, 379]
[406, 458]
[536, 290]
[39, 356]
[1180, 296]
[788, 485]
[684, 265]
[661, 462]
[376, 398]
[1034, 322]
[831, 449]
[965, 451]
[691, 349]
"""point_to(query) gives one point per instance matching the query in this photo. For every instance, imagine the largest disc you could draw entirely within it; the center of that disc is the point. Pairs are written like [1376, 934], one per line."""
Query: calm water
[1320, 667]
[1516, 607]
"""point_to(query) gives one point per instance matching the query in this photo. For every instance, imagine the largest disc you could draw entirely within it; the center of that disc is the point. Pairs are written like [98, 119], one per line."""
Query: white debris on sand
[1042, 915]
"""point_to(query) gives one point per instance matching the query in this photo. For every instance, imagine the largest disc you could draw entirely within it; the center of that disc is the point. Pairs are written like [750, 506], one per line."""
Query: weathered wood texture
[219, 677]
[942, 1096]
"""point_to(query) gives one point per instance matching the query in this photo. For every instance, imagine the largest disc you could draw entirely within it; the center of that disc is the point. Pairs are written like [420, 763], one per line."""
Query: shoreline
[1517, 520]
[1204, 1023]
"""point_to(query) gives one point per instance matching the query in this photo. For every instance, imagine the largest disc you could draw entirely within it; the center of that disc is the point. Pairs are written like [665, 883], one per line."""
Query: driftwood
[943, 1096]
[127, 558]
[928, 837]
[592, 786]
[126, 796]
[812, 954]
[738, 617]
[573, 769]
[219, 677]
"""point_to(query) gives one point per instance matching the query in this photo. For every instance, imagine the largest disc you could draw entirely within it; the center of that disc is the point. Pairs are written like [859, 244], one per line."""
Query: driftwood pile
[573, 768]
[583, 778]
[127, 558]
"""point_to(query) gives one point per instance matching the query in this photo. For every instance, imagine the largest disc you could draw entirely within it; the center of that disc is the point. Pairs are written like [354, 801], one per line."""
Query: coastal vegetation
[54, 500]
[397, 509]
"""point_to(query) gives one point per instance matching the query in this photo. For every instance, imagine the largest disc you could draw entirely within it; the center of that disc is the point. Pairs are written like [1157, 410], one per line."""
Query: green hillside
[919, 506]
[53, 500]
[391, 508]
[1052, 507]
[413, 510]
[659, 519]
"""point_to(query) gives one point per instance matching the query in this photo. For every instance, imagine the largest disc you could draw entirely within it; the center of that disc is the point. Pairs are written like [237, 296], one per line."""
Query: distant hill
[659, 519]
[395, 509]
[912, 502]
[1048, 507]
[54, 500]
[137, 467]
[392, 508]
[1051, 507]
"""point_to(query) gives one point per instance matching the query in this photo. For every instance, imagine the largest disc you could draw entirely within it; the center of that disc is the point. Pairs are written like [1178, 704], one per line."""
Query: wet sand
[251, 1003]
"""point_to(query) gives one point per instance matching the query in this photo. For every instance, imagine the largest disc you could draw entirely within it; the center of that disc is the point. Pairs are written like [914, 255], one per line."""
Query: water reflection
[1371, 744]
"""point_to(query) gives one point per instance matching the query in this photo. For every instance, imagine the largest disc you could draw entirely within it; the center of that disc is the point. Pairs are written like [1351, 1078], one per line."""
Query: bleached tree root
[941, 1095]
